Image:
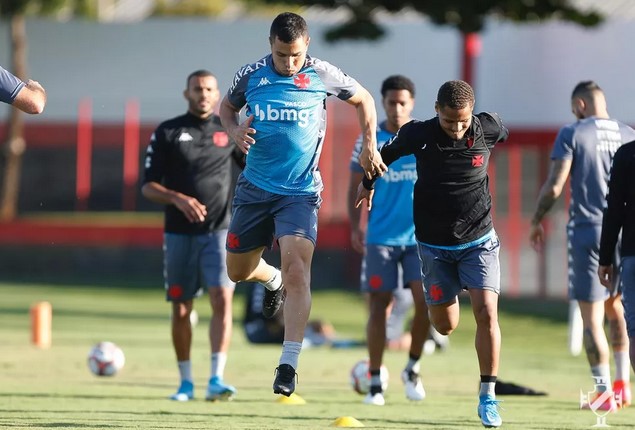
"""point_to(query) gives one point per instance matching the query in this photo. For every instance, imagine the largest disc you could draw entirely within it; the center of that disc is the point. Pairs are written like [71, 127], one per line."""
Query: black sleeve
[493, 129]
[401, 144]
[239, 158]
[156, 156]
[615, 211]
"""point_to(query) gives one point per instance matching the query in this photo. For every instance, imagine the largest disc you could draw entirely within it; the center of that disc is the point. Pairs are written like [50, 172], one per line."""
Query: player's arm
[154, 190]
[369, 159]
[549, 193]
[31, 98]
[357, 234]
[239, 133]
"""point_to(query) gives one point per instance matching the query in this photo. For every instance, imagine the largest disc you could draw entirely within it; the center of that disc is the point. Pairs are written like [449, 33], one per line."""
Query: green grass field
[53, 388]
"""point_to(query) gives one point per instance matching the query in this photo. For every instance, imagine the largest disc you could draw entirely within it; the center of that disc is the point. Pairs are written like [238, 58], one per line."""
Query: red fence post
[130, 155]
[84, 153]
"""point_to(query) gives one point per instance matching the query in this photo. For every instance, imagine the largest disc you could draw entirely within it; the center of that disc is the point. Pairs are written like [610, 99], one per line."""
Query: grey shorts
[447, 272]
[583, 250]
[258, 216]
[194, 262]
[385, 268]
[628, 293]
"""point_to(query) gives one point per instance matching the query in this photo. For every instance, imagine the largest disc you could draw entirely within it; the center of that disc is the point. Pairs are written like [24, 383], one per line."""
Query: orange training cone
[41, 323]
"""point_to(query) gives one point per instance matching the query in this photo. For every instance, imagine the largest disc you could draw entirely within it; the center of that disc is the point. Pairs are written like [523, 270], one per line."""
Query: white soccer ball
[360, 377]
[105, 359]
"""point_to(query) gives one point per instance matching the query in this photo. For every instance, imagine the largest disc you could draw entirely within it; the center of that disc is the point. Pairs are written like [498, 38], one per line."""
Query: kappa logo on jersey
[185, 137]
[301, 81]
[269, 113]
[477, 161]
[220, 138]
[264, 81]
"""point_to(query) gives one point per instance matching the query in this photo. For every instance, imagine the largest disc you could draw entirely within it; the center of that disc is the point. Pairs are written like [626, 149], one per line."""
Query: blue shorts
[584, 249]
[385, 268]
[193, 262]
[258, 216]
[628, 293]
[447, 272]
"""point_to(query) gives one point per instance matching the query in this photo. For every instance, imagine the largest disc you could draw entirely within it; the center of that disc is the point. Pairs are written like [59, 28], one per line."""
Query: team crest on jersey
[302, 81]
[220, 138]
[478, 160]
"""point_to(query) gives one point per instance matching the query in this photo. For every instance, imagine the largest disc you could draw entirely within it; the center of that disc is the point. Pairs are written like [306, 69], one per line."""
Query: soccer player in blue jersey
[29, 96]
[278, 193]
[584, 150]
[389, 245]
[458, 246]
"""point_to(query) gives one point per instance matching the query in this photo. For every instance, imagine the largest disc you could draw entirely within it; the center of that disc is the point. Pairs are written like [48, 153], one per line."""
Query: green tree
[15, 12]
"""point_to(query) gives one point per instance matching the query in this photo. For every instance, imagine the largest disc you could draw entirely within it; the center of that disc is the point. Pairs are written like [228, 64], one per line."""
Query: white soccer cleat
[376, 399]
[413, 386]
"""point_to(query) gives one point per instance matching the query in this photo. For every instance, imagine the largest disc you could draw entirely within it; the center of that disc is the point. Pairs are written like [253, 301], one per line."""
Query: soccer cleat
[622, 393]
[413, 385]
[488, 411]
[272, 300]
[184, 393]
[218, 390]
[376, 399]
[285, 380]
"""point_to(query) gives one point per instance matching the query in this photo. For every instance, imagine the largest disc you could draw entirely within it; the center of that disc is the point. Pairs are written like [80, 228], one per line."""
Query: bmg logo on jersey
[269, 113]
[400, 176]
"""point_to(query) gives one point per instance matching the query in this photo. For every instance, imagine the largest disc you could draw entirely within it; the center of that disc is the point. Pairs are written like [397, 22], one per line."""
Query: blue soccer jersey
[591, 144]
[390, 221]
[290, 121]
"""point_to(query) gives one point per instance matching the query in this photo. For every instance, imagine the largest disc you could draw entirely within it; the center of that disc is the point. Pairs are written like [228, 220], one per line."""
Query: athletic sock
[290, 353]
[488, 386]
[413, 364]
[375, 381]
[622, 366]
[219, 359]
[602, 375]
[275, 282]
[185, 370]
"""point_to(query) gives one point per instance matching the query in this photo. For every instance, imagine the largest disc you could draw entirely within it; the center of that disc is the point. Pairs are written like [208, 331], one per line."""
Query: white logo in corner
[185, 137]
[263, 81]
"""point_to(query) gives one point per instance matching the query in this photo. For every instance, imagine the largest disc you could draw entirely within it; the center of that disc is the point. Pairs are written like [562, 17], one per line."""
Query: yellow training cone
[346, 422]
[293, 399]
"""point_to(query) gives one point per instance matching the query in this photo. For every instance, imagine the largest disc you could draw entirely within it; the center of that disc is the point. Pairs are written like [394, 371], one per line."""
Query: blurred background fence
[82, 218]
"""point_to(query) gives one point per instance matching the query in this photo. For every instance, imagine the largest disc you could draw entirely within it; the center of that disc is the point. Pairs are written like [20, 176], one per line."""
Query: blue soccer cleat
[218, 390]
[488, 411]
[184, 393]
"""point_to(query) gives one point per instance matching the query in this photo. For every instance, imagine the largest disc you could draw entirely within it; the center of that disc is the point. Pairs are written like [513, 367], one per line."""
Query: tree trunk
[15, 144]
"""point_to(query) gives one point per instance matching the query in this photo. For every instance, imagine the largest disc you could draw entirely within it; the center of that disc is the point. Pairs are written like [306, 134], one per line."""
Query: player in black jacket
[458, 246]
[188, 168]
[619, 215]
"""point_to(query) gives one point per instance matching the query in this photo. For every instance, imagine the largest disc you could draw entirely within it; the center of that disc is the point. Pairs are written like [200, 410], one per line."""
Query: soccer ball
[105, 359]
[360, 377]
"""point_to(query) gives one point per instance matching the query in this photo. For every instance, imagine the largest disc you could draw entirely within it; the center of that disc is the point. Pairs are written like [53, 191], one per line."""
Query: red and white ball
[105, 359]
[360, 377]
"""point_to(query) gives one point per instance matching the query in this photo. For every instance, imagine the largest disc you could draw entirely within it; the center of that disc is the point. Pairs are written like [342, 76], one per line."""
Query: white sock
[219, 360]
[622, 366]
[487, 388]
[185, 370]
[275, 282]
[602, 375]
[290, 353]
